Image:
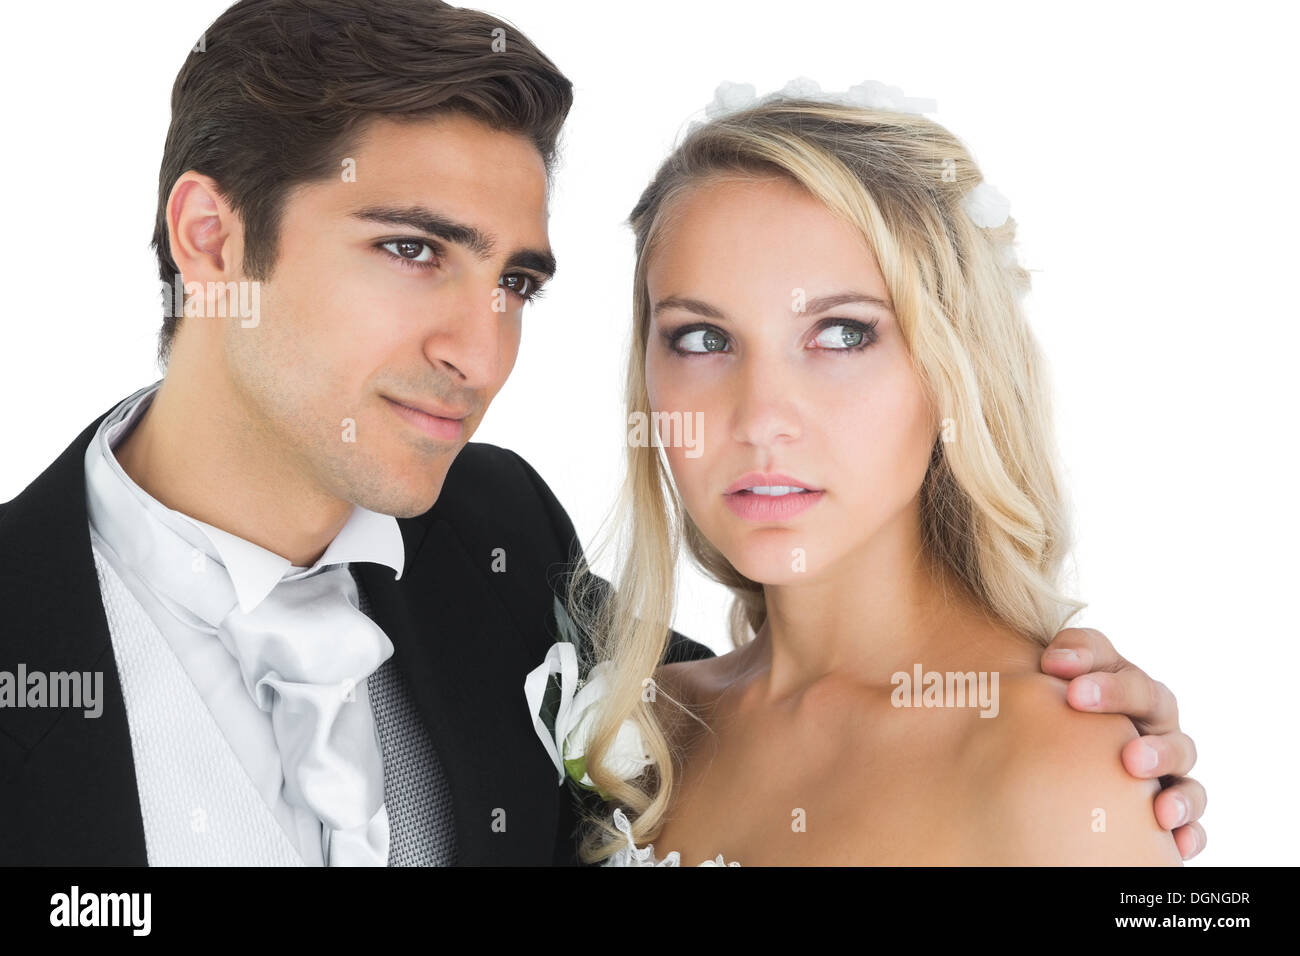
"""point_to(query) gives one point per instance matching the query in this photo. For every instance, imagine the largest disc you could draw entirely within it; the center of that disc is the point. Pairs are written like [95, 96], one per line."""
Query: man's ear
[206, 235]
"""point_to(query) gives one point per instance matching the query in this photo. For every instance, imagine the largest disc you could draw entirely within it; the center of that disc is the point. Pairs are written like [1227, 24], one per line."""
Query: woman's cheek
[689, 476]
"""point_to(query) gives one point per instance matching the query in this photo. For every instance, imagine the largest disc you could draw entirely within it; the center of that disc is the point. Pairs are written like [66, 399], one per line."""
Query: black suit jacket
[463, 634]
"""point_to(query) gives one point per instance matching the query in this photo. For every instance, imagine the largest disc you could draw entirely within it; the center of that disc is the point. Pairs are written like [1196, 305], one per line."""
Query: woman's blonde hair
[993, 512]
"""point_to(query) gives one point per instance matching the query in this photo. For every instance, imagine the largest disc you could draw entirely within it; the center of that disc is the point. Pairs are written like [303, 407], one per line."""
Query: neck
[877, 611]
[201, 450]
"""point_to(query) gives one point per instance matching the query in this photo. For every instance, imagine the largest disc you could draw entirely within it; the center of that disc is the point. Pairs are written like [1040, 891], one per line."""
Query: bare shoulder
[696, 682]
[687, 694]
[1051, 788]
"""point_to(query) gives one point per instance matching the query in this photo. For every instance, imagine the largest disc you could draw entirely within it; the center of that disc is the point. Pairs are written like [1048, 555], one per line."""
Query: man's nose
[465, 339]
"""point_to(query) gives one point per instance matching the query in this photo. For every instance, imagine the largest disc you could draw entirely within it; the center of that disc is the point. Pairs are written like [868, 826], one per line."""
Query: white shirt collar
[254, 571]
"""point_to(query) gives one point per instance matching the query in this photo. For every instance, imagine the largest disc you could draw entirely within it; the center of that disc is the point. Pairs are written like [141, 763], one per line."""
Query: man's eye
[701, 341]
[409, 251]
[521, 284]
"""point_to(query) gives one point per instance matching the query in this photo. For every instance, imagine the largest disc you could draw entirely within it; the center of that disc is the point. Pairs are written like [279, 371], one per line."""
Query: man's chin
[404, 501]
[395, 481]
[403, 492]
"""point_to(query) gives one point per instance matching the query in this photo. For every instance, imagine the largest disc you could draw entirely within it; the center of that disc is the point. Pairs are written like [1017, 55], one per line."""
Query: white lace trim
[631, 855]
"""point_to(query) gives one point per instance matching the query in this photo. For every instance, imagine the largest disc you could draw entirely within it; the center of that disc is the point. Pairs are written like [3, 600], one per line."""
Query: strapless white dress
[631, 855]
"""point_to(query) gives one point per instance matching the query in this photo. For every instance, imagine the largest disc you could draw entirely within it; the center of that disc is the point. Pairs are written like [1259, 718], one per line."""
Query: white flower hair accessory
[985, 206]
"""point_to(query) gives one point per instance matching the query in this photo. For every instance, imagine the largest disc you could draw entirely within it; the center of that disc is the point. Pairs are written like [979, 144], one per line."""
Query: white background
[1149, 154]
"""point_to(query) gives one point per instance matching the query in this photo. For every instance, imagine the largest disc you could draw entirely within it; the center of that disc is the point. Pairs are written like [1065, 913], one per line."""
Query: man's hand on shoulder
[1063, 798]
[1102, 682]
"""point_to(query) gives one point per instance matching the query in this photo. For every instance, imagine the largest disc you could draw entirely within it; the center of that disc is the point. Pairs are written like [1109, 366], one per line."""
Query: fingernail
[1184, 810]
[1089, 693]
[1148, 759]
[1064, 656]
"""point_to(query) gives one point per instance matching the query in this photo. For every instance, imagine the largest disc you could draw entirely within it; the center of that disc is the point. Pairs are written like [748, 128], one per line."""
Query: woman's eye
[845, 336]
[408, 250]
[701, 340]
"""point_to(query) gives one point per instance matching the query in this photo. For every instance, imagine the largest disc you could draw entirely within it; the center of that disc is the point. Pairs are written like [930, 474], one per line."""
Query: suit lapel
[465, 663]
[72, 780]
[73, 777]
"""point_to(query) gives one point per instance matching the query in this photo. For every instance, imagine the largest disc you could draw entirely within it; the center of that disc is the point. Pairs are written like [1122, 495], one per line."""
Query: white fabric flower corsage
[566, 709]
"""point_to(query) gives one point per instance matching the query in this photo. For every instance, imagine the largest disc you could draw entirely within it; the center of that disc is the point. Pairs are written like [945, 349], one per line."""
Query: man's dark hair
[277, 91]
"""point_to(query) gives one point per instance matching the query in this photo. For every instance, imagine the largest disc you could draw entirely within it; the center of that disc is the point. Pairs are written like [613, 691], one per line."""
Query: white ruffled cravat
[305, 653]
[303, 646]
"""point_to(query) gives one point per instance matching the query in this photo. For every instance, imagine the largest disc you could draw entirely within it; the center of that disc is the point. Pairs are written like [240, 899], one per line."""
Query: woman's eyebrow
[822, 303]
[819, 304]
[688, 305]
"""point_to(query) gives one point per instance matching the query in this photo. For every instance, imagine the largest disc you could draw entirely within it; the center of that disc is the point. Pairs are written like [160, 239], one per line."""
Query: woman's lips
[441, 429]
[759, 507]
[769, 479]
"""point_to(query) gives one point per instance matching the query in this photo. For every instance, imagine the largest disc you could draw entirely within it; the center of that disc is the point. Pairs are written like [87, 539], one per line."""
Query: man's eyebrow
[538, 260]
[820, 304]
[425, 220]
[478, 242]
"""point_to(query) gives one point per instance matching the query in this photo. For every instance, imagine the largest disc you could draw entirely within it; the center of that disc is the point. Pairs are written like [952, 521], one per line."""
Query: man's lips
[435, 421]
[432, 408]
